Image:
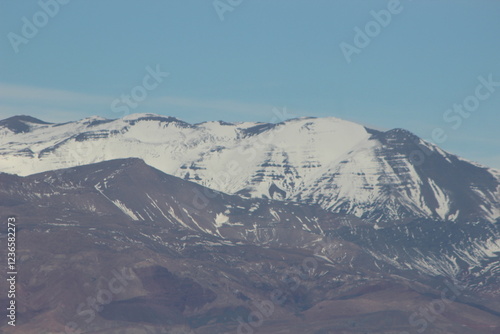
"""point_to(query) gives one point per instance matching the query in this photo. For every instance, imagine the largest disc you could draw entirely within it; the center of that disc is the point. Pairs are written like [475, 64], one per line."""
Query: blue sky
[283, 53]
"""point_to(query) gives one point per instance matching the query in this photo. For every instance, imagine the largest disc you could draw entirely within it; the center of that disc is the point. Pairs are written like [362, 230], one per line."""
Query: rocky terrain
[121, 247]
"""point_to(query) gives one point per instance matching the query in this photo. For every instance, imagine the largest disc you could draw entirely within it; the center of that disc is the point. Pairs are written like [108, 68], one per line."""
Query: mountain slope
[340, 165]
[193, 260]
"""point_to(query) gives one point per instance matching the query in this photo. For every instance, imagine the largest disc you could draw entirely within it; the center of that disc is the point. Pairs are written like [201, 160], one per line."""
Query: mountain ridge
[199, 261]
[343, 166]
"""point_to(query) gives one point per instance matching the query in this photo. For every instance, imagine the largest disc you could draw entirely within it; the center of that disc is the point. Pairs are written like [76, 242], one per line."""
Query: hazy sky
[315, 58]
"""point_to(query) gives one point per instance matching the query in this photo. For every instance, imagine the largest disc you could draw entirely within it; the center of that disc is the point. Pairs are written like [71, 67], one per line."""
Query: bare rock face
[121, 247]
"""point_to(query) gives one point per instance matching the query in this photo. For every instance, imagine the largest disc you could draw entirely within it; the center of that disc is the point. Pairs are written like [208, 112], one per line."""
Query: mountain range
[201, 261]
[149, 225]
[342, 166]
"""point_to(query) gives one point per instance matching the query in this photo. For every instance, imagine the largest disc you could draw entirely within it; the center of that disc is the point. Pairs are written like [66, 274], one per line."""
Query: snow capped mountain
[340, 165]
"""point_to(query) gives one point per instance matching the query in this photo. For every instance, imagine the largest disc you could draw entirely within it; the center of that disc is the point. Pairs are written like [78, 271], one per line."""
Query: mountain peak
[21, 123]
[93, 118]
[137, 116]
[150, 117]
[25, 118]
[341, 165]
[400, 132]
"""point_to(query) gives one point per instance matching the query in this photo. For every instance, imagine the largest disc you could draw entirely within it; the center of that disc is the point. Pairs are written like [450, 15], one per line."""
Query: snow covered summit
[340, 165]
